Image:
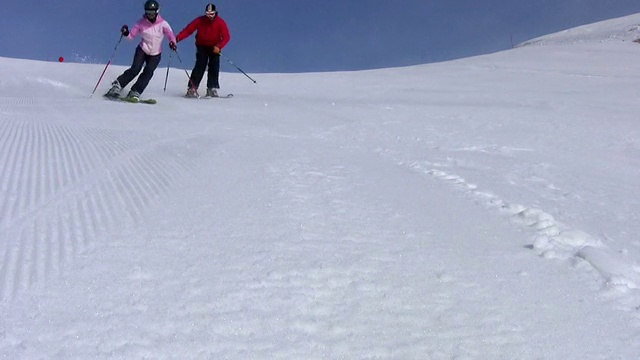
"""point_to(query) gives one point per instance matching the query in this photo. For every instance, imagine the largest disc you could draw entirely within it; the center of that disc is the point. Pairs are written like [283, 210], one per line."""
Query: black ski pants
[206, 57]
[139, 59]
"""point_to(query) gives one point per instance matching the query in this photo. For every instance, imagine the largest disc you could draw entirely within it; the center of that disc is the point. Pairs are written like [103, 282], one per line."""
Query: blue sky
[301, 36]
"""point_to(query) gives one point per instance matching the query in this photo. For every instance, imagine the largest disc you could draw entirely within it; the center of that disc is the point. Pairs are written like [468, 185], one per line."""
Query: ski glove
[124, 30]
[173, 46]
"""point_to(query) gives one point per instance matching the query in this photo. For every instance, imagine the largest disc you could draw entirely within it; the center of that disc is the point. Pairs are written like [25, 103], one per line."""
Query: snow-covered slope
[625, 28]
[485, 208]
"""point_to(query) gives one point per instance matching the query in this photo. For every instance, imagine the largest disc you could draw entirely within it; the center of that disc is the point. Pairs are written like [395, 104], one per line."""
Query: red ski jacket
[210, 32]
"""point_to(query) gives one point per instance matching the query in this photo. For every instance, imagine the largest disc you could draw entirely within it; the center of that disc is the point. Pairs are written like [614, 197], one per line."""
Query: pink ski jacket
[152, 34]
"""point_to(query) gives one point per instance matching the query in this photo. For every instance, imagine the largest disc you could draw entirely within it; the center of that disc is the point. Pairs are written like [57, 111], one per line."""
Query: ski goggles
[210, 13]
[151, 12]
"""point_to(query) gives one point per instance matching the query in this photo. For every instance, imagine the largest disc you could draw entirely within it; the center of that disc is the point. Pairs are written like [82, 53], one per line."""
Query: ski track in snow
[58, 195]
[552, 239]
[329, 291]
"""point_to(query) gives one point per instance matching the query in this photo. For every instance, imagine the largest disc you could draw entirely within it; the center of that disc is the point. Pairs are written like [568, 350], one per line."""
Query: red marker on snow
[60, 59]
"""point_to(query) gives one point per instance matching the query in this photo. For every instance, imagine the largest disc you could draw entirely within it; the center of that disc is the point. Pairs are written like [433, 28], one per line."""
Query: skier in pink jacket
[152, 28]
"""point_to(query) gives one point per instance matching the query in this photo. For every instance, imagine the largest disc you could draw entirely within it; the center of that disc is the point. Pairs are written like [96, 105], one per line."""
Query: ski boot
[211, 92]
[191, 93]
[133, 97]
[114, 92]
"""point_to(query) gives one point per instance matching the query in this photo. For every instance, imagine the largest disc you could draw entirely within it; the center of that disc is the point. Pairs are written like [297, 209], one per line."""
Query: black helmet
[151, 5]
[210, 8]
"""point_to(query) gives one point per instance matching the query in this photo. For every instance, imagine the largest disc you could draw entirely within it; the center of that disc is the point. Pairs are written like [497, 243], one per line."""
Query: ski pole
[108, 62]
[188, 76]
[167, 77]
[234, 65]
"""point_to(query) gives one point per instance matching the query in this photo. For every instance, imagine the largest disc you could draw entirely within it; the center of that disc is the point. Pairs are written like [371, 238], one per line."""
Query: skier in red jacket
[212, 35]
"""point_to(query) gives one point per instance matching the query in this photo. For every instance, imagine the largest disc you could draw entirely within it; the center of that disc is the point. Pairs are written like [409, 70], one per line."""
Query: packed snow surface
[485, 208]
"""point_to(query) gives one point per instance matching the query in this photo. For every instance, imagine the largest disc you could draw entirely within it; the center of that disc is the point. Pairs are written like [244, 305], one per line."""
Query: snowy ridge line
[75, 186]
[554, 240]
[624, 28]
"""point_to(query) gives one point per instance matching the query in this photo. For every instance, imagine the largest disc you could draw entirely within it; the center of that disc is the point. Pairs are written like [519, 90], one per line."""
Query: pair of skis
[132, 100]
[211, 97]
[151, 101]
